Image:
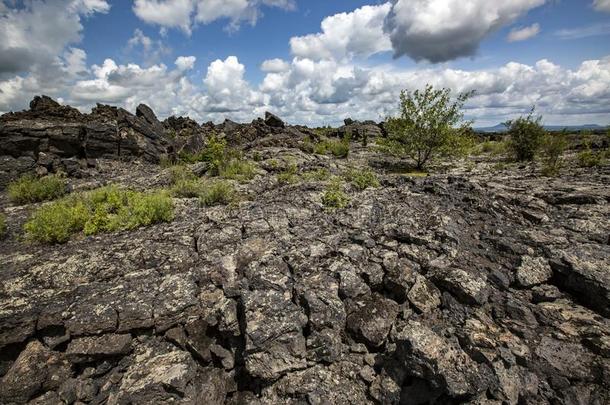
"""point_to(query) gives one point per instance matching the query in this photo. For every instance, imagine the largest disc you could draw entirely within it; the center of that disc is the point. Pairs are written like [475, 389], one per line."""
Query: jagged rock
[532, 271]
[273, 120]
[424, 295]
[469, 289]
[36, 369]
[87, 349]
[427, 355]
[371, 319]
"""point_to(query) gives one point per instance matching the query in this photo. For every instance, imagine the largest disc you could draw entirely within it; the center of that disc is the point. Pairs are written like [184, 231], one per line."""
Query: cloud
[275, 66]
[524, 33]
[40, 30]
[442, 30]
[151, 51]
[185, 62]
[359, 33]
[185, 14]
[602, 5]
[584, 32]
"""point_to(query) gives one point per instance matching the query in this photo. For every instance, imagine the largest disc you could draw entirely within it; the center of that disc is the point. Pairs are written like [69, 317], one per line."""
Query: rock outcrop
[51, 137]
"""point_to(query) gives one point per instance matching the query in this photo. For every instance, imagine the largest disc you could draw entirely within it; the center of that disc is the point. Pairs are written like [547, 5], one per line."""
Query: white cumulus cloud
[359, 33]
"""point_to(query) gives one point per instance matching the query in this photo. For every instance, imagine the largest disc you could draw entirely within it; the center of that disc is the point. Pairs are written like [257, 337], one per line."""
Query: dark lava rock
[273, 120]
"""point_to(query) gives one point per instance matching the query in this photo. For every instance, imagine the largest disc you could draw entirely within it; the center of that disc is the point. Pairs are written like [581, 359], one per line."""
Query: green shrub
[3, 227]
[430, 124]
[320, 174]
[589, 158]
[237, 169]
[337, 147]
[107, 209]
[216, 193]
[30, 189]
[334, 196]
[181, 173]
[214, 152]
[553, 147]
[186, 189]
[361, 179]
[525, 136]
[289, 175]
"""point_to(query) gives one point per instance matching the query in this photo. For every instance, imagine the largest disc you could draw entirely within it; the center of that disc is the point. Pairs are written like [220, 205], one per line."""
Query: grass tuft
[217, 192]
[334, 197]
[361, 179]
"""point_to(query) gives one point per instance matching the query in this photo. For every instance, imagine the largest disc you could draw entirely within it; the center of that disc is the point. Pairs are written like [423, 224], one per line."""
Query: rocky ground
[476, 284]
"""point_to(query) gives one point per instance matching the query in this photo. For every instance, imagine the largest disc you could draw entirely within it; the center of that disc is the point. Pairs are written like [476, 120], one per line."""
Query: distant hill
[502, 128]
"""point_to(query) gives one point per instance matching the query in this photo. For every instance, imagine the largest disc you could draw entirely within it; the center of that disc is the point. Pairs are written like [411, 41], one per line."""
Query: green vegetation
[361, 179]
[30, 189]
[215, 153]
[494, 148]
[334, 196]
[3, 227]
[588, 157]
[107, 209]
[320, 174]
[217, 192]
[237, 169]
[429, 124]
[289, 175]
[553, 147]
[337, 147]
[526, 135]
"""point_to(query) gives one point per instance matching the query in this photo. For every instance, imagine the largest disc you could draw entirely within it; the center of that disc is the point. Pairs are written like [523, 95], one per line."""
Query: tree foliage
[430, 123]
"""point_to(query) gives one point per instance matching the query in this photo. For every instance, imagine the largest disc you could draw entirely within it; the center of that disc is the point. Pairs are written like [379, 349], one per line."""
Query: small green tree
[526, 135]
[429, 124]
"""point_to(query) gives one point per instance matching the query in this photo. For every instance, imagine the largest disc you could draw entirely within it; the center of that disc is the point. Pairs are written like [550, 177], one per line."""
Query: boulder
[371, 319]
[273, 120]
[533, 271]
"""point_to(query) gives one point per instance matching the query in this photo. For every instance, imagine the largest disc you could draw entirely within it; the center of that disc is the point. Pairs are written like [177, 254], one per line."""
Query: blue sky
[126, 52]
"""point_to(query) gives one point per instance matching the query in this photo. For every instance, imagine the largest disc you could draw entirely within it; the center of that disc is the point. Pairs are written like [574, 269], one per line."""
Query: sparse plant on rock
[334, 196]
[107, 209]
[526, 135]
[430, 124]
[588, 157]
[215, 153]
[217, 192]
[553, 147]
[238, 169]
[337, 147]
[361, 179]
[320, 174]
[3, 227]
[30, 189]
[289, 175]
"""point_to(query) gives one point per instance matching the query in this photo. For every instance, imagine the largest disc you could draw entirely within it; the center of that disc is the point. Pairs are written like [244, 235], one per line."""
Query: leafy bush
[427, 125]
[361, 179]
[186, 189]
[3, 227]
[237, 169]
[107, 209]
[216, 193]
[30, 189]
[181, 173]
[334, 196]
[553, 147]
[525, 136]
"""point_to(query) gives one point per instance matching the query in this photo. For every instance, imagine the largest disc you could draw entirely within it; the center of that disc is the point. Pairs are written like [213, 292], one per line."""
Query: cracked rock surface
[471, 287]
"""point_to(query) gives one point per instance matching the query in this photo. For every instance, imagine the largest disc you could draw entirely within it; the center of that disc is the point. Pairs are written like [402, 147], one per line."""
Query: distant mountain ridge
[503, 128]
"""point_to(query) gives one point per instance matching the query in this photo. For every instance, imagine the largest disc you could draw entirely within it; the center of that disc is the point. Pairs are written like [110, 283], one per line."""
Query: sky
[312, 62]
